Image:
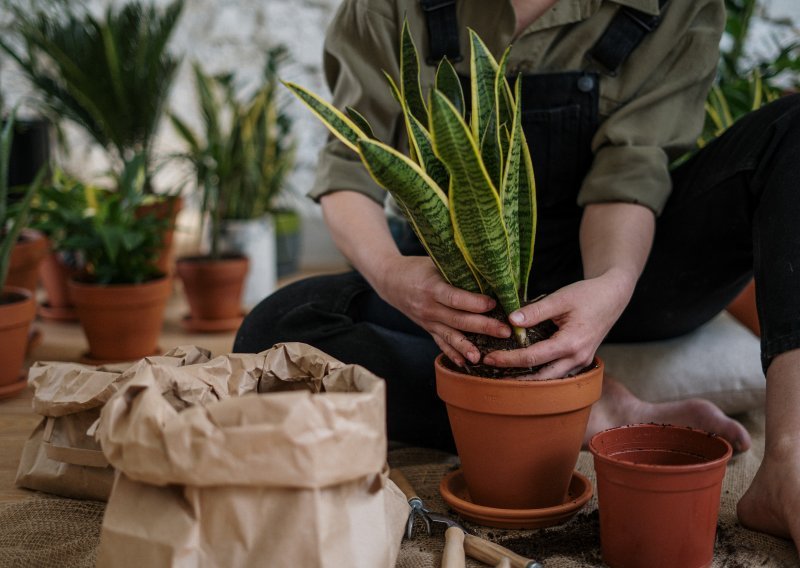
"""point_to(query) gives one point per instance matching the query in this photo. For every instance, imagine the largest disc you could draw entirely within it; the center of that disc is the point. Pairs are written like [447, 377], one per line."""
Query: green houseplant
[17, 305]
[108, 75]
[120, 294]
[240, 163]
[468, 191]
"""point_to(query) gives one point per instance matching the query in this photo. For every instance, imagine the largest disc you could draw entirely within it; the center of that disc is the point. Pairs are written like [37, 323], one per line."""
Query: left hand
[584, 312]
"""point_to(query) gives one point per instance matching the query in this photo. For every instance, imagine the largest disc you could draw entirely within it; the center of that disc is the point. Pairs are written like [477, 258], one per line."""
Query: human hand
[584, 312]
[413, 285]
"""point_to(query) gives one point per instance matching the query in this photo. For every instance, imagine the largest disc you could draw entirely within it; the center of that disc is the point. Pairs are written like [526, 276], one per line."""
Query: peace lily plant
[467, 186]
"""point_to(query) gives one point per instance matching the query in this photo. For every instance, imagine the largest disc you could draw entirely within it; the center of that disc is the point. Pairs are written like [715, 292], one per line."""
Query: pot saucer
[211, 325]
[57, 313]
[455, 493]
[13, 389]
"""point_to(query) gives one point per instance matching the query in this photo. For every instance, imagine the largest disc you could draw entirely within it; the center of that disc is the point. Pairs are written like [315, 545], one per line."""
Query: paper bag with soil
[292, 472]
[60, 457]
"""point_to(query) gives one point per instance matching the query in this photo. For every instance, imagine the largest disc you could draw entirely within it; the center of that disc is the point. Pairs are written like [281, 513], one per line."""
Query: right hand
[413, 285]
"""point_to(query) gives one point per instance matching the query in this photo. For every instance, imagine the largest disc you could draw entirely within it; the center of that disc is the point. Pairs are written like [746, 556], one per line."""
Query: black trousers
[734, 212]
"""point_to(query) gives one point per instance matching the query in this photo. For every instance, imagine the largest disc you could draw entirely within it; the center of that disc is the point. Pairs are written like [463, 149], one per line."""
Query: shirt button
[585, 84]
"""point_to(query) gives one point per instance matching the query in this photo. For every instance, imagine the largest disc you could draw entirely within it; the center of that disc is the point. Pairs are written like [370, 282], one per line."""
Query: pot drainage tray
[455, 493]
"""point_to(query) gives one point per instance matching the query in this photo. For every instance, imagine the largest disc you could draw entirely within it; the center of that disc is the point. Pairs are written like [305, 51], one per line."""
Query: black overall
[733, 210]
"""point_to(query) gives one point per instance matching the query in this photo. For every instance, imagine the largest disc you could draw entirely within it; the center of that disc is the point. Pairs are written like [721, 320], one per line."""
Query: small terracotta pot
[214, 290]
[27, 254]
[658, 490]
[122, 322]
[17, 310]
[55, 274]
[518, 439]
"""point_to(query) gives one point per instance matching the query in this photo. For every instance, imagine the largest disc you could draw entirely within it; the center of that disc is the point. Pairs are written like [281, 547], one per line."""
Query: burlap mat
[64, 533]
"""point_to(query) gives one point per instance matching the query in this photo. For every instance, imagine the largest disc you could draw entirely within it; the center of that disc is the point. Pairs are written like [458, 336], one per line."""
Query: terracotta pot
[658, 490]
[55, 274]
[168, 209]
[122, 322]
[17, 310]
[214, 291]
[518, 439]
[27, 254]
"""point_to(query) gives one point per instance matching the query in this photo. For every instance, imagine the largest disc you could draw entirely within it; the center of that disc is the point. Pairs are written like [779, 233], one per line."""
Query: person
[628, 248]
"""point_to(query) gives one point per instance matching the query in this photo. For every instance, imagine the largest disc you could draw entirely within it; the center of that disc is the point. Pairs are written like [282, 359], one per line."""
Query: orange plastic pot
[518, 440]
[122, 322]
[17, 310]
[214, 291]
[658, 490]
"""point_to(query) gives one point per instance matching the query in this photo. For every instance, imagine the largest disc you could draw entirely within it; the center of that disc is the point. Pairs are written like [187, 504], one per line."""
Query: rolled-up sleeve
[661, 111]
[360, 46]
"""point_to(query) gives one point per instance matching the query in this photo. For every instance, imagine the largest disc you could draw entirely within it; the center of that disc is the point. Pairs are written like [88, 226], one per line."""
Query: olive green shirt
[651, 111]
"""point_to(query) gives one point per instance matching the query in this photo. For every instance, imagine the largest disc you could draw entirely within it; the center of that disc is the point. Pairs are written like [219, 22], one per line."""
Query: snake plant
[466, 186]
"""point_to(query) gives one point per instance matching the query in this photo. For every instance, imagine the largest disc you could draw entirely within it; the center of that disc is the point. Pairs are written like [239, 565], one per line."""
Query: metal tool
[457, 545]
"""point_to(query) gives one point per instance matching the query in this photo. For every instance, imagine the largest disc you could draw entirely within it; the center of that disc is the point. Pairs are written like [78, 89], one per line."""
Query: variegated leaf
[409, 76]
[359, 120]
[475, 207]
[342, 127]
[448, 83]
[426, 207]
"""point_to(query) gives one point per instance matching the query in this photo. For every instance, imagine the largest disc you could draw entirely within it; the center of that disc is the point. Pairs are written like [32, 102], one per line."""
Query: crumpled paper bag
[60, 457]
[287, 469]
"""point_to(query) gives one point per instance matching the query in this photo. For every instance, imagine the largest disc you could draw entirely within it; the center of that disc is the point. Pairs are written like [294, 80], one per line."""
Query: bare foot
[771, 503]
[619, 406]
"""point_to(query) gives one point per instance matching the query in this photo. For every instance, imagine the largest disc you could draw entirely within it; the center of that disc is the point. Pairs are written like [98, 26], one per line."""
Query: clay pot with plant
[468, 191]
[120, 295]
[240, 165]
[17, 305]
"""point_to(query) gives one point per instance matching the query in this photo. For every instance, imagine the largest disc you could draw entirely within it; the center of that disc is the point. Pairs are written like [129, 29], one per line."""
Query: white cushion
[720, 361]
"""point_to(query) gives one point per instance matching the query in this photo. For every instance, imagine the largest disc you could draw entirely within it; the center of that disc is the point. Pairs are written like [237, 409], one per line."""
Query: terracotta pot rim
[516, 381]
[75, 282]
[27, 294]
[206, 259]
[659, 468]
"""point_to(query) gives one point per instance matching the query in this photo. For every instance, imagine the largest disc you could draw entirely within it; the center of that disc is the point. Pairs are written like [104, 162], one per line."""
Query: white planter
[256, 240]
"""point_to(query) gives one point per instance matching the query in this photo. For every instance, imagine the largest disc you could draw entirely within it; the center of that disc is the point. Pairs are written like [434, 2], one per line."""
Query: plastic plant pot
[658, 490]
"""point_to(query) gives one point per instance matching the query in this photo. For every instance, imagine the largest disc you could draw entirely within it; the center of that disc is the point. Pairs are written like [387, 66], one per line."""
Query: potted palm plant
[467, 189]
[120, 294]
[240, 163]
[17, 305]
[108, 75]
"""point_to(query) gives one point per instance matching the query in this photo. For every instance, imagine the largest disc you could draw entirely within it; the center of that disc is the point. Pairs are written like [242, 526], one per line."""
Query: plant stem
[521, 336]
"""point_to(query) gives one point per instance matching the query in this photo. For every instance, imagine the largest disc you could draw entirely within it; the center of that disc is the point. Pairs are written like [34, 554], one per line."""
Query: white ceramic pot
[255, 239]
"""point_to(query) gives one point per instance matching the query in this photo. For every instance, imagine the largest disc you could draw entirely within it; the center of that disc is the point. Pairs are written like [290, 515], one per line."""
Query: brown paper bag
[60, 457]
[292, 477]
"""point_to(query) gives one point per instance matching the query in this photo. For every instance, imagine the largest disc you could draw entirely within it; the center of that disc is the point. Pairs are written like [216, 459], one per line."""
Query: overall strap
[625, 32]
[442, 30]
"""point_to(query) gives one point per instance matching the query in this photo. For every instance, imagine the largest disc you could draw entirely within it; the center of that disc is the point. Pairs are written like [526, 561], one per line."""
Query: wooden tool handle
[402, 482]
[504, 563]
[453, 555]
[492, 553]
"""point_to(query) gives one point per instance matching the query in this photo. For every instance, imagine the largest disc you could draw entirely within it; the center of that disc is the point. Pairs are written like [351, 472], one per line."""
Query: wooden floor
[66, 342]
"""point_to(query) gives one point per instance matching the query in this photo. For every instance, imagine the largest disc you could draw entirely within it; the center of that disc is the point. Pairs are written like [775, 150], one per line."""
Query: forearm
[359, 229]
[615, 240]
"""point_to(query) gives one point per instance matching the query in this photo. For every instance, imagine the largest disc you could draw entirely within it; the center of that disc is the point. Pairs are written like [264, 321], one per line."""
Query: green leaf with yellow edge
[483, 69]
[475, 207]
[426, 207]
[409, 76]
[337, 122]
[362, 123]
[448, 83]
[510, 190]
[527, 216]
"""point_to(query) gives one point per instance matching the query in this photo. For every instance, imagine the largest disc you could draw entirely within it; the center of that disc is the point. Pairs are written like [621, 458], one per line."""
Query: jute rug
[46, 532]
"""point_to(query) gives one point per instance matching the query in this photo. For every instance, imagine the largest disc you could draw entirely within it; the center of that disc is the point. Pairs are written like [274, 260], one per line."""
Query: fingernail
[474, 357]
[489, 360]
[506, 332]
[517, 318]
